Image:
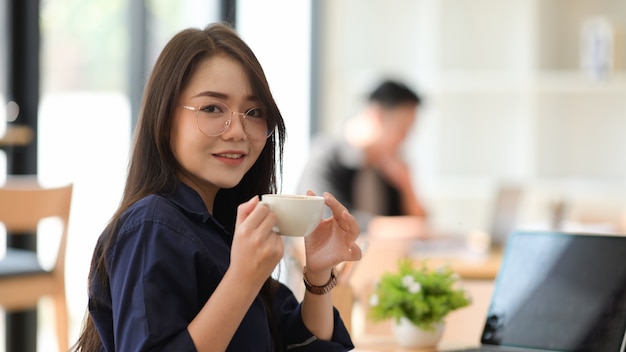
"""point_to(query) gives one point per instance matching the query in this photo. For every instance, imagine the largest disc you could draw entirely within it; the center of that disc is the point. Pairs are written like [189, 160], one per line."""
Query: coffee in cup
[298, 215]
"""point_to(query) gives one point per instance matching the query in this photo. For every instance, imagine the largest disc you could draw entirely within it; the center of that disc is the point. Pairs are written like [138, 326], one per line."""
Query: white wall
[279, 32]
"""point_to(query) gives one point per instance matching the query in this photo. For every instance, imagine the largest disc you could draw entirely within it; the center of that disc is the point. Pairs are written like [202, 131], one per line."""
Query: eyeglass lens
[215, 118]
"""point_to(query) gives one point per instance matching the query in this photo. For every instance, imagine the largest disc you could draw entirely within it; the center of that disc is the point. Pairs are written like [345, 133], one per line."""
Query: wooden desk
[388, 344]
[16, 136]
[402, 236]
[468, 266]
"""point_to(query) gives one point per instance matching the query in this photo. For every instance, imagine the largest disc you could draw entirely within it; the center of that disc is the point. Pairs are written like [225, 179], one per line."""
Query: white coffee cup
[298, 215]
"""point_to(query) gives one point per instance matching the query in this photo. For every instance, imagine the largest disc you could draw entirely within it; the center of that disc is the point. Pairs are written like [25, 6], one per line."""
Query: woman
[185, 263]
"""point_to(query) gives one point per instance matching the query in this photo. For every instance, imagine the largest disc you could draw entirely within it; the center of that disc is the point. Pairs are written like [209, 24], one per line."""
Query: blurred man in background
[364, 168]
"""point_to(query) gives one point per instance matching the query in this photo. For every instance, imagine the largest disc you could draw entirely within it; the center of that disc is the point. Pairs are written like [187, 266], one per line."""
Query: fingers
[244, 209]
[355, 252]
[334, 240]
[344, 219]
[252, 215]
[256, 249]
[335, 206]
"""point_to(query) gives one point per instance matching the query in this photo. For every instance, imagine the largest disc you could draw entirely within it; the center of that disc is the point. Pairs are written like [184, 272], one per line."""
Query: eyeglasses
[214, 119]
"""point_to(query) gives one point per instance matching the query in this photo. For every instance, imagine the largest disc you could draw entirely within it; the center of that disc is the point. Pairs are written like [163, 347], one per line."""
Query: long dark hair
[153, 167]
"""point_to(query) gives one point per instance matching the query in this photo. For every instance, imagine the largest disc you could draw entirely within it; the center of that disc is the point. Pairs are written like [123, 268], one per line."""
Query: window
[92, 53]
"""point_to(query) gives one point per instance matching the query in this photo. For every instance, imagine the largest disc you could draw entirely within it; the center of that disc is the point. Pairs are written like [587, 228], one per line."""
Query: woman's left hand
[333, 241]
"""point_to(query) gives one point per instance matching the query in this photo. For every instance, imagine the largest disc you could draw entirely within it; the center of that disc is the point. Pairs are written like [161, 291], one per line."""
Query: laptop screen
[557, 291]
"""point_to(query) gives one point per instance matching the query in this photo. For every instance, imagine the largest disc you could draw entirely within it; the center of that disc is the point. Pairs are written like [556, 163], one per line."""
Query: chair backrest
[24, 205]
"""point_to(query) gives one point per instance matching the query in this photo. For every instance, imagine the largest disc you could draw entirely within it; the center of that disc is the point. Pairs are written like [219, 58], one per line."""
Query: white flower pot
[408, 334]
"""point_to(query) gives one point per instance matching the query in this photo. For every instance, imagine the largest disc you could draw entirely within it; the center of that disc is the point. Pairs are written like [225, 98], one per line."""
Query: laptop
[558, 291]
[502, 221]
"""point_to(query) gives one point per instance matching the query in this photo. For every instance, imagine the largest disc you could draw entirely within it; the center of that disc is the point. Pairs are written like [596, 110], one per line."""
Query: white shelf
[544, 81]
[577, 81]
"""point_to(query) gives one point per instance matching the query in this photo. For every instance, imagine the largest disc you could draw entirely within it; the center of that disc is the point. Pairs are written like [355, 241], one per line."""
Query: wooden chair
[23, 281]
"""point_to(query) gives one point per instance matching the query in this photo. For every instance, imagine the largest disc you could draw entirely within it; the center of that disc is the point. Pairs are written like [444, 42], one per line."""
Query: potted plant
[418, 299]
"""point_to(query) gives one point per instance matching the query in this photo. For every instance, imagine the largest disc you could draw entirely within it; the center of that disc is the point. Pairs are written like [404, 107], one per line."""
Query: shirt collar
[190, 201]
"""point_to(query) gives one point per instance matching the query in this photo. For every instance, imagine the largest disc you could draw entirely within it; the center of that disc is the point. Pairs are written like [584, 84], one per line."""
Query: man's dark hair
[391, 94]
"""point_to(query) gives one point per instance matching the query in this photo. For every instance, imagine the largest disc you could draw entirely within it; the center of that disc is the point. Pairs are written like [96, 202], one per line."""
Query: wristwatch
[320, 290]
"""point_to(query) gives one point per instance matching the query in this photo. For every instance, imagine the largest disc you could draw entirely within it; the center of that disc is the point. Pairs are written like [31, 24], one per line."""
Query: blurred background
[530, 93]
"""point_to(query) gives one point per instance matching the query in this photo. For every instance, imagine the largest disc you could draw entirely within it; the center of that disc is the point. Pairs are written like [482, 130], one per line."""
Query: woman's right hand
[256, 249]
[254, 254]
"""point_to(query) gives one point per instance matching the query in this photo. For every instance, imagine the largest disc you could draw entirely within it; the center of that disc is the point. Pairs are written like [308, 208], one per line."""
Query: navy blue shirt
[168, 258]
